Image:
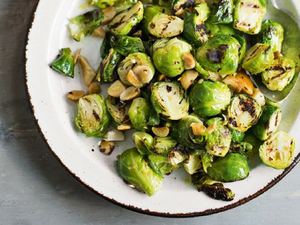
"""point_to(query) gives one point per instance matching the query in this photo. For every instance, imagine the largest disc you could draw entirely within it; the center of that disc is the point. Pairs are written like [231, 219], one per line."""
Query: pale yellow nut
[94, 88]
[188, 78]
[109, 14]
[161, 131]
[258, 96]
[123, 127]
[116, 89]
[99, 32]
[198, 128]
[130, 93]
[143, 73]
[233, 83]
[75, 95]
[106, 147]
[245, 82]
[212, 128]
[161, 77]
[114, 135]
[76, 56]
[88, 73]
[277, 54]
[189, 61]
[133, 79]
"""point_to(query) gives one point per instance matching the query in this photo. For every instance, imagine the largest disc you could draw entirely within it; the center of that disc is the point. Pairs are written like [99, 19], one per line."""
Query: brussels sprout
[184, 133]
[178, 155]
[163, 2]
[207, 160]
[118, 110]
[102, 4]
[241, 147]
[248, 15]
[134, 169]
[163, 145]
[271, 33]
[209, 98]
[222, 12]
[218, 142]
[135, 62]
[123, 23]
[84, 25]
[64, 63]
[154, 119]
[105, 46]
[252, 140]
[139, 113]
[93, 117]
[211, 187]
[179, 6]
[169, 59]
[170, 100]
[194, 27]
[124, 4]
[216, 29]
[160, 23]
[106, 72]
[258, 58]
[161, 165]
[279, 74]
[268, 122]
[278, 150]
[232, 167]
[243, 112]
[219, 54]
[144, 142]
[243, 48]
[237, 136]
[126, 45]
[194, 163]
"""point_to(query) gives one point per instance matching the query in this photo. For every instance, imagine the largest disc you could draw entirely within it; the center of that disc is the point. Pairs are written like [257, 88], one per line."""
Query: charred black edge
[151, 213]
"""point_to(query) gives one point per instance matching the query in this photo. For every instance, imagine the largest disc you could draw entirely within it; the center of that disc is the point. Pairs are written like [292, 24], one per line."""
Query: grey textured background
[36, 189]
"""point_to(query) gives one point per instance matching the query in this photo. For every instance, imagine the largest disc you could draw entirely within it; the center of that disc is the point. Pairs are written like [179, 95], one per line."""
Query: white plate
[55, 117]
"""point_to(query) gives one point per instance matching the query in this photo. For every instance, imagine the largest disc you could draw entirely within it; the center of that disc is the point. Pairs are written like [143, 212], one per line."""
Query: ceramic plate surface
[55, 117]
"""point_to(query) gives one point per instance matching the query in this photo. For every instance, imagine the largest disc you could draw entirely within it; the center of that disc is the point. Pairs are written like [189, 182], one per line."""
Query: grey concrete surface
[35, 189]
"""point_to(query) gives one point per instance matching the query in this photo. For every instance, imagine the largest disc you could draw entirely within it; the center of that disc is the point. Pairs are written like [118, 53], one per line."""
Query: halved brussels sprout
[105, 46]
[232, 167]
[170, 100]
[252, 140]
[216, 29]
[220, 54]
[163, 2]
[194, 27]
[248, 15]
[144, 142]
[122, 5]
[168, 59]
[179, 6]
[212, 188]
[163, 145]
[243, 48]
[222, 12]
[139, 113]
[123, 23]
[271, 33]
[268, 122]
[279, 74]
[161, 164]
[258, 58]
[178, 155]
[209, 98]
[278, 150]
[135, 170]
[140, 64]
[237, 136]
[93, 117]
[84, 25]
[243, 113]
[106, 72]
[64, 64]
[102, 4]
[194, 163]
[126, 45]
[159, 22]
[218, 142]
[184, 133]
[118, 110]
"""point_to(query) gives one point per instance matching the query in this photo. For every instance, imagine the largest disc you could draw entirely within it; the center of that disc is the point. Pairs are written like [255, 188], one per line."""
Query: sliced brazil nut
[109, 14]
[188, 78]
[161, 131]
[88, 73]
[75, 95]
[106, 147]
[130, 93]
[116, 89]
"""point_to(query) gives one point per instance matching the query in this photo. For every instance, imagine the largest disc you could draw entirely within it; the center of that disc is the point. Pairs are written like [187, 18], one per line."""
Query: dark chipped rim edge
[131, 207]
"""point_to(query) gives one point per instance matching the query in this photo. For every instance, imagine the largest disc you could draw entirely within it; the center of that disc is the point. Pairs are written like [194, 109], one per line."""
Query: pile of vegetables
[179, 76]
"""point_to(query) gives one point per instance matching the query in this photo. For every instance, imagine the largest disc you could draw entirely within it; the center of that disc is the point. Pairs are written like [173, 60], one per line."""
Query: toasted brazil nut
[106, 147]
[122, 127]
[143, 73]
[259, 97]
[109, 14]
[114, 135]
[76, 56]
[189, 61]
[116, 89]
[130, 93]
[88, 72]
[94, 88]
[161, 131]
[75, 95]
[133, 79]
[99, 32]
[233, 83]
[188, 78]
[245, 81]
[198, 128]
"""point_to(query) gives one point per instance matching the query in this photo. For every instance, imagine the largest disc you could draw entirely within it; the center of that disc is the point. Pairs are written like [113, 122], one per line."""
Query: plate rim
[206, 212]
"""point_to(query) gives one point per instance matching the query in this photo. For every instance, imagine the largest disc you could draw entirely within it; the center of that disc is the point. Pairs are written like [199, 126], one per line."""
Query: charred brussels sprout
[209, 98]
[118, 110]
[222, 12]
[163, 2]
[278, 150]
[279, 74]
[211, 187]
[84, 25]
[248, 15]
[102, 4]
[141, 66]
[144, 142]
[232, 167]
[123, 23]
[218, 142]
[105, 46]
[161, 164]
[194, 163]
[93, 117]
[237, 136]
[268, 122]
[258, 58]
[219, 54]
[159, 23]
[216, 29]
[124, 4]
[170, 100]
[163, 145]
[185, 134]
[271, 33]
[139, 113]
[194, 27]
[106, 72]
[135, 171]
[243, 112]
[179, 6]
[64, 64]
[126, 45]
[243, 48]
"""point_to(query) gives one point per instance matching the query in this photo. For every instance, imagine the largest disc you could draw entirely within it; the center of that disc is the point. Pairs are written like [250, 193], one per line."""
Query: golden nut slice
[75, 95]
[130, 93]
[161, 131]
[116, 89]
[106, 147]
[188, 78]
